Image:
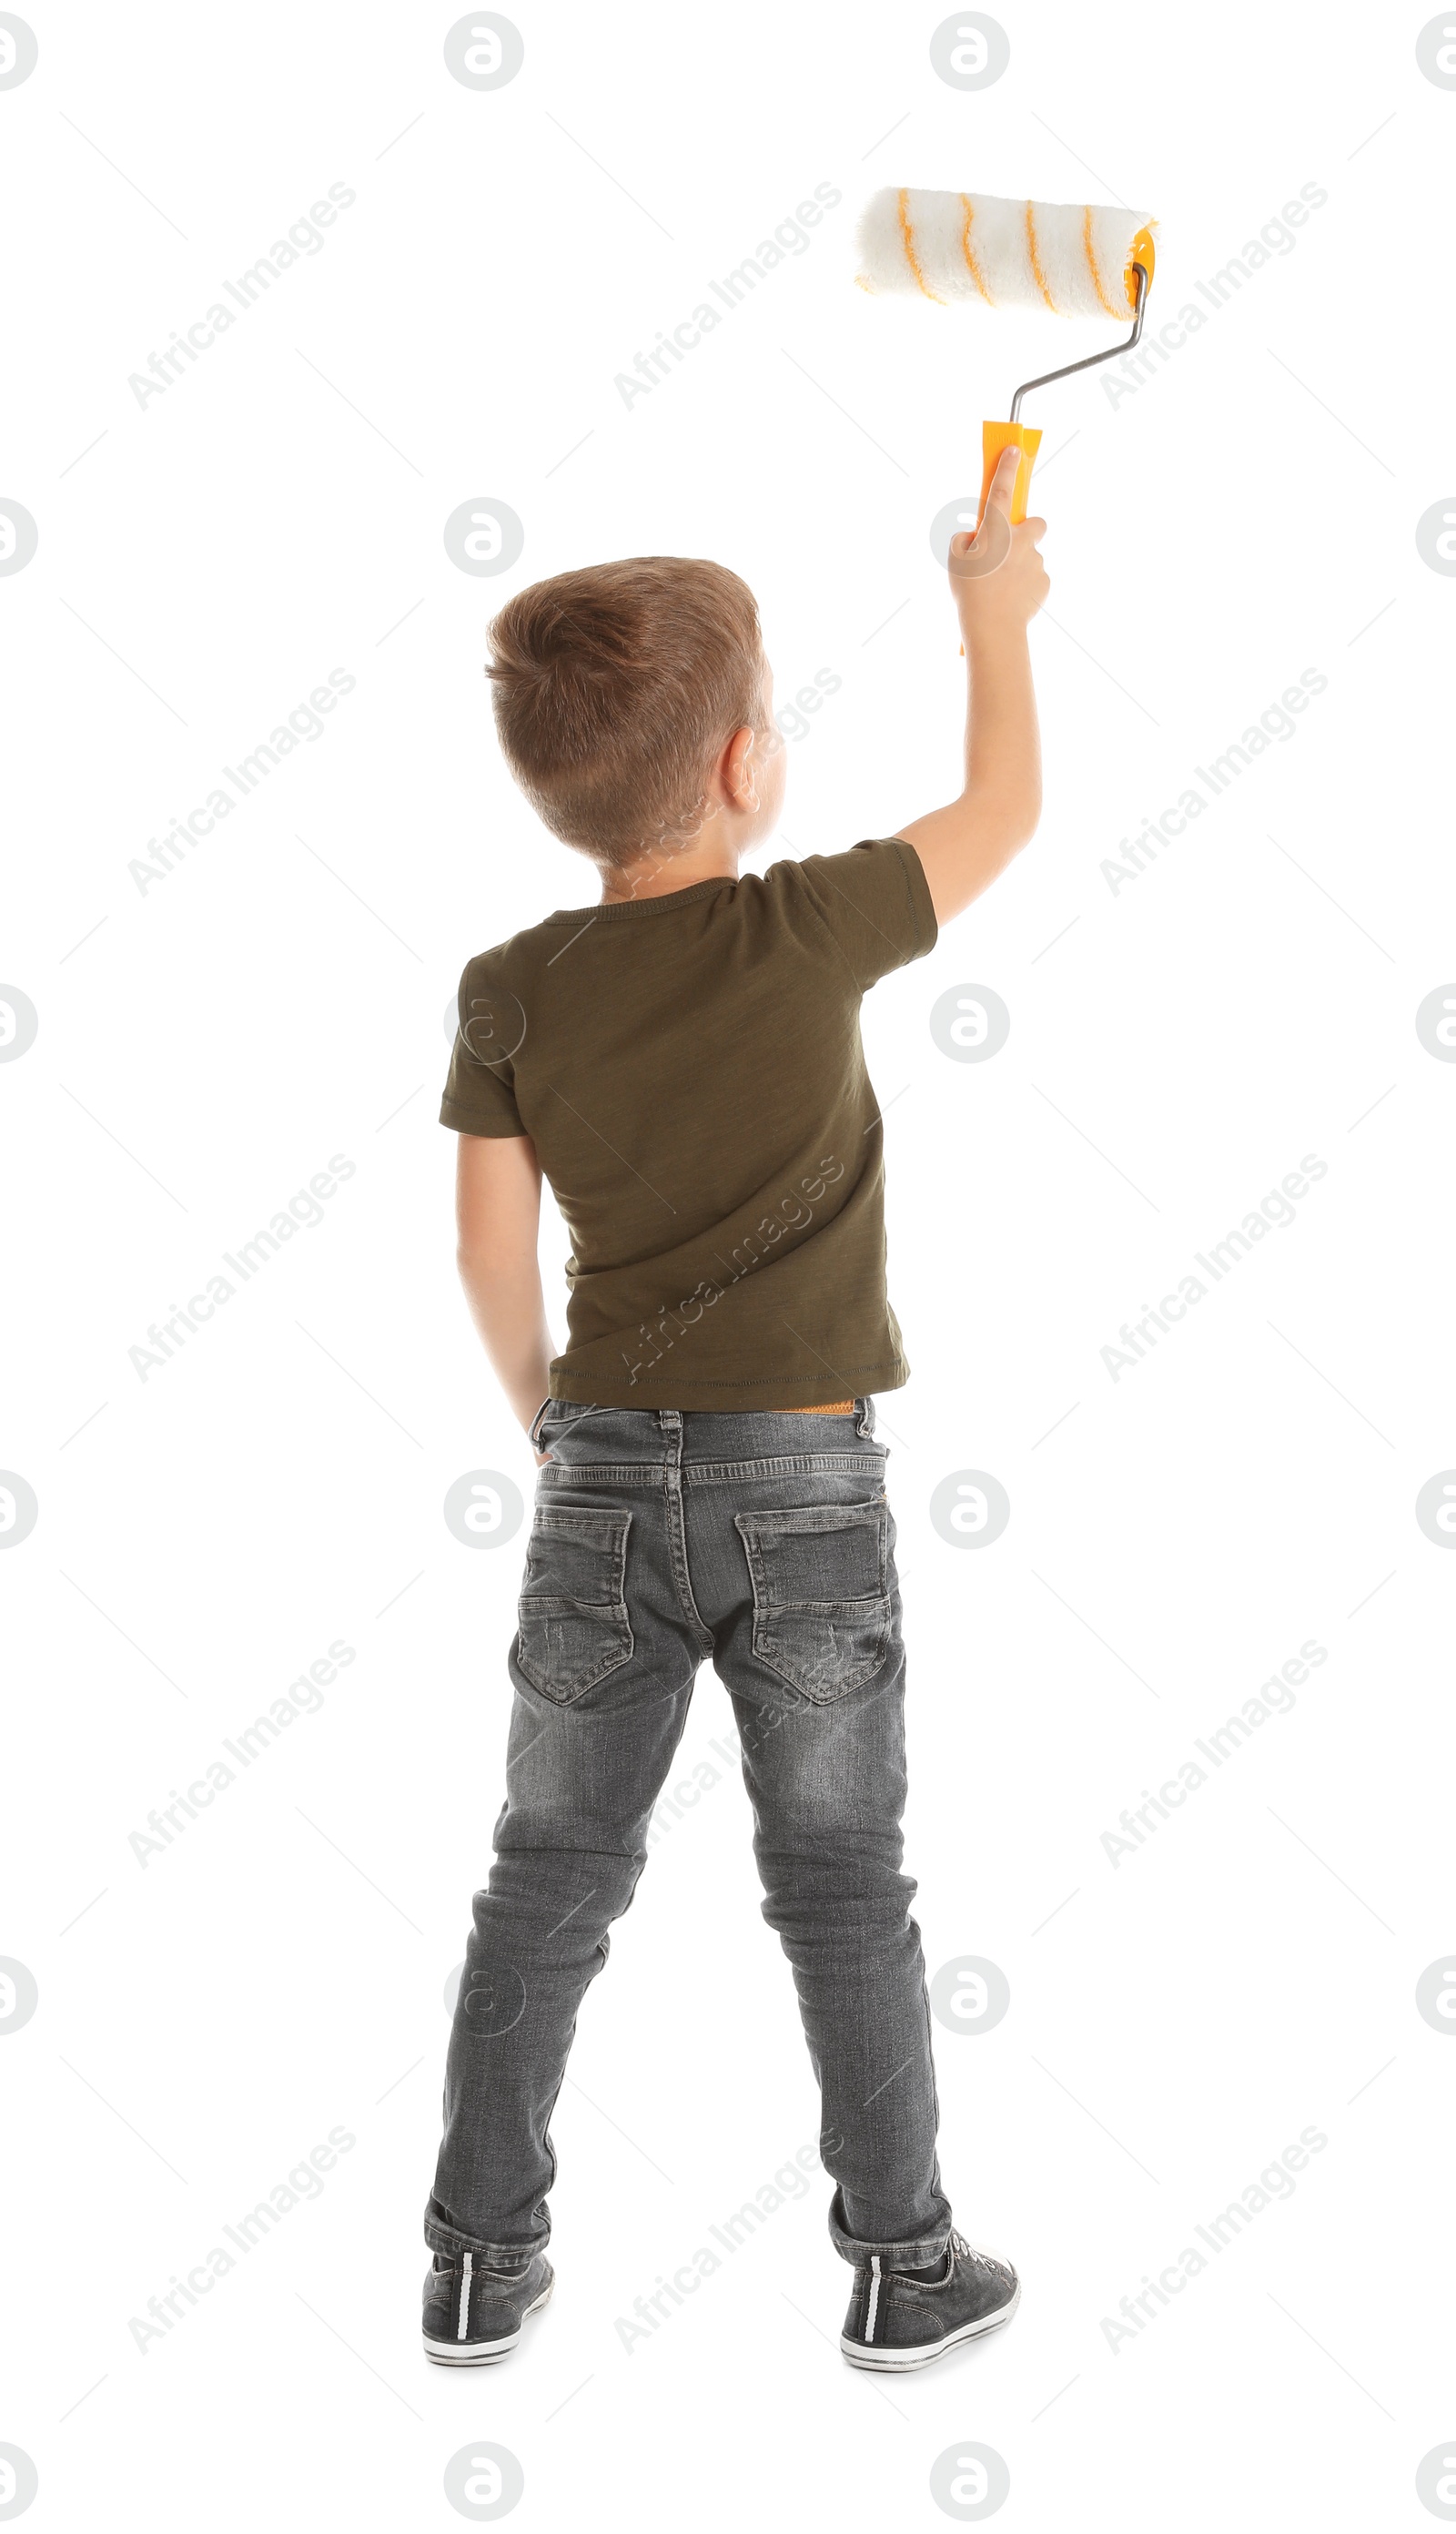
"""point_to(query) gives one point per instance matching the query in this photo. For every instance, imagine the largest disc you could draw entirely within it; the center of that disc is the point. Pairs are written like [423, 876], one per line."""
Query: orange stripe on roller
[1101, 297]
[908, 241]
[1036, 261]
[968, 251]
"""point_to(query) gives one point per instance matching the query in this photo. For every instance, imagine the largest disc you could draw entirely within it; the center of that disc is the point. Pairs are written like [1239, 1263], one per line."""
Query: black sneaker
[895, 2322]
[473, 2314]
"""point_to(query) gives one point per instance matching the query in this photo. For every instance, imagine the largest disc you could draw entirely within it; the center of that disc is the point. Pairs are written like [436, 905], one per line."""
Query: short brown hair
[614, 690]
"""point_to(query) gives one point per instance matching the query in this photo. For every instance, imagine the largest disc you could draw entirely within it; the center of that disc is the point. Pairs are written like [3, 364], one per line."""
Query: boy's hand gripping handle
[994, 437]
[997, 439]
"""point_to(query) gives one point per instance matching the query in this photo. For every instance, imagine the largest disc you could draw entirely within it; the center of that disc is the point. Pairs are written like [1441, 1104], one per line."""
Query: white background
[1176, 1046]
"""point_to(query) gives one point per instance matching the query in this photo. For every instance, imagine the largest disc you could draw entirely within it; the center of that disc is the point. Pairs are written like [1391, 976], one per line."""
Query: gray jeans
[662, 1537]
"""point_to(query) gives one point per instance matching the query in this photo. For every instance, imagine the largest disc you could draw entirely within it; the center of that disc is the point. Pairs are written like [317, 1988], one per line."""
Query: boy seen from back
[683, 1060]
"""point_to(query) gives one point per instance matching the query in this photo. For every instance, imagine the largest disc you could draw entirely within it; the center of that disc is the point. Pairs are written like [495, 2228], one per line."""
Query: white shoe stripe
[464, 2324]
[874, 2296]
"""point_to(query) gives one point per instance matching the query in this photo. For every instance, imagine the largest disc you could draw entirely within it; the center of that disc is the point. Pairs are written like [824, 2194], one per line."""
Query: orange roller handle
[994, 437]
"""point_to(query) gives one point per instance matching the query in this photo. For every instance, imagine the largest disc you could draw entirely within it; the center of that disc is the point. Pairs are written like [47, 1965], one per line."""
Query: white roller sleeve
[1071, 258]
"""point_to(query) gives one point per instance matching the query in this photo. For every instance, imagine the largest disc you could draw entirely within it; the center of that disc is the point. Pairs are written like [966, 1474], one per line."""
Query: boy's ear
[738, 770]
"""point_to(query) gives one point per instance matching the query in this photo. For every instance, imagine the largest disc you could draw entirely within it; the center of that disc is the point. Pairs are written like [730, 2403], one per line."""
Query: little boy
[683, 1060]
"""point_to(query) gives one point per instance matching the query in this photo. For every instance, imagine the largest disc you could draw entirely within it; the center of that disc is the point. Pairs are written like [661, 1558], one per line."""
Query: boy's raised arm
[999, 582]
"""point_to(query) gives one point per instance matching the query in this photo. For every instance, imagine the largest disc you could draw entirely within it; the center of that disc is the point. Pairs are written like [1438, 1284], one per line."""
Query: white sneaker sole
[898, 2362]
[482, 2353]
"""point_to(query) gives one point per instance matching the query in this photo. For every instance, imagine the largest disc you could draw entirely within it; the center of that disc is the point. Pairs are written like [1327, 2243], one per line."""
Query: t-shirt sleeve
[876, 900]
[481, 1088]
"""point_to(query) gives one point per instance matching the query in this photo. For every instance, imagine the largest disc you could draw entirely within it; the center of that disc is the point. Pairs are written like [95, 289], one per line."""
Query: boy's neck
[662, 872]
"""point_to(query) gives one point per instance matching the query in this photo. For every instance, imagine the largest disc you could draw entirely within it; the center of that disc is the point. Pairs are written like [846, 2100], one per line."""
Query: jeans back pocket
[572, 1625]
[823, 1619]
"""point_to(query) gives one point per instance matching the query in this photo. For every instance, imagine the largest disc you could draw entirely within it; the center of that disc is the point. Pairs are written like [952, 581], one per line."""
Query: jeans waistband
[669, 1420]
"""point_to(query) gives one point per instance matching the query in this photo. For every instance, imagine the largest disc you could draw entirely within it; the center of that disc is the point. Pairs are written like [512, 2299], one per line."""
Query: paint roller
[1076, 258]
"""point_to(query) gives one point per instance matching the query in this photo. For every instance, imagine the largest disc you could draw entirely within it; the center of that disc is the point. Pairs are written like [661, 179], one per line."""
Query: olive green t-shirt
[689, 1068]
